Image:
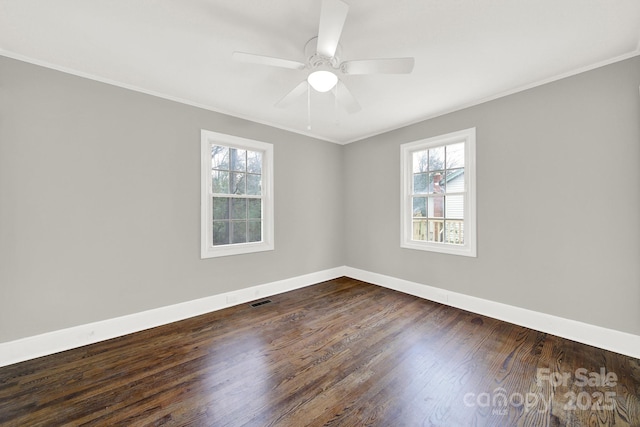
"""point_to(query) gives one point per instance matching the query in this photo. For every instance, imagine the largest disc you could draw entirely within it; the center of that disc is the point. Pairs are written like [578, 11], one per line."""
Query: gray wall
[100, 203]
[558, 174]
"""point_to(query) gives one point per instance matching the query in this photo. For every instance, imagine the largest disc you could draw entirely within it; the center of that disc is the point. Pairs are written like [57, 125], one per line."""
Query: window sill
[443, 248]
[235, 249]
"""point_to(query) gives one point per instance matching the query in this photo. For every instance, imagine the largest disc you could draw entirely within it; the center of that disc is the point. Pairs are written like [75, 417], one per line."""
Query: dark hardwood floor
[340, 353]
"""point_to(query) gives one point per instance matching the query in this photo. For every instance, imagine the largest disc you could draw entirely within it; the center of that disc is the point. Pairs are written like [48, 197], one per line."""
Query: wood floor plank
[340, 353]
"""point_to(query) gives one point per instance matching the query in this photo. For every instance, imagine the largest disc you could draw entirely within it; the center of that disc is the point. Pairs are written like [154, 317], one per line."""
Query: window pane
[419, 229]
[238, 231]
[420, 182]
[238, 209]
[454, 207]
[253, 184]
[254, 162]
[435, 230]
[420, 207]
[436, 182]
[255, 231]
[436, 159]
[454, 232]
[220, 182]
[455, 155]
[238, 183]
[219, 157]
[220, 233]
[220, 208]
[238, 159]
[420, 161]
[435, 207]
[455, 181]
[255, 208]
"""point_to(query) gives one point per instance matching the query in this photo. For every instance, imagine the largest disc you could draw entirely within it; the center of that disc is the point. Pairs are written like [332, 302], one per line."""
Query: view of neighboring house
[439, 218]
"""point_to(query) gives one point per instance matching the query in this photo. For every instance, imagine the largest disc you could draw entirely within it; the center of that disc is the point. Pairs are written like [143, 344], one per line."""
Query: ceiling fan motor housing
[316, 61]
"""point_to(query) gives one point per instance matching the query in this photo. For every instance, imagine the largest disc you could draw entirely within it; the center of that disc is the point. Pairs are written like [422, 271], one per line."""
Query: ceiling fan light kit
[322, 80]
[322, 55]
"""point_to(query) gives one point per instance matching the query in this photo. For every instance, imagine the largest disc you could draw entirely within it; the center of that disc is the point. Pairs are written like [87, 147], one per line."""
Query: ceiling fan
[323, 61]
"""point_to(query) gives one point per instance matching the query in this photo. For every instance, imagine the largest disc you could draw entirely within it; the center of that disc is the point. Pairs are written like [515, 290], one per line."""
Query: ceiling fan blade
[289, 98]
[378, 66]
[346, 99]
[332, 16]
[267, 60]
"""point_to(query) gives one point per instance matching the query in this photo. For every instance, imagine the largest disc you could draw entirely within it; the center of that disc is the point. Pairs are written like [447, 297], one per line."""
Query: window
[236, 195]
[438, 194]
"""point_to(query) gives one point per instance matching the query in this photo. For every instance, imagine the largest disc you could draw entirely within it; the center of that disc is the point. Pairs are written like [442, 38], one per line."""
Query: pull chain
[335, 104]
[308, 107]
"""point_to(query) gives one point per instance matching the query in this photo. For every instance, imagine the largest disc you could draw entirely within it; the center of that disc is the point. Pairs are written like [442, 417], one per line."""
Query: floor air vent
[259, 303]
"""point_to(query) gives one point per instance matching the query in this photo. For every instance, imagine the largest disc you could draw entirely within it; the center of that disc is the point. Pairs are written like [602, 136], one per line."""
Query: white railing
[439, 230]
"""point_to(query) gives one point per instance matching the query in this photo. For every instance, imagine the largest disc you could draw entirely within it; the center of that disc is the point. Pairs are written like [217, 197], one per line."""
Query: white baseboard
[65, 339]
[53, 342]
[597, 336]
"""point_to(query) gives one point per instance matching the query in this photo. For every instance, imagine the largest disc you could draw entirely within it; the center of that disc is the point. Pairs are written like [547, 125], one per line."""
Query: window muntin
[237, 203]
[438, 196]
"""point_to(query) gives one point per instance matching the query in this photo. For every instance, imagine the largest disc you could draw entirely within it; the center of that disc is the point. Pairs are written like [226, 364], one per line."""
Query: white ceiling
[466, 51]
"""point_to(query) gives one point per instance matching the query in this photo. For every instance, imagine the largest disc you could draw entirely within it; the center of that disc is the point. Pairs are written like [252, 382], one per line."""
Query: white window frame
[468, 136]
[208, 250]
